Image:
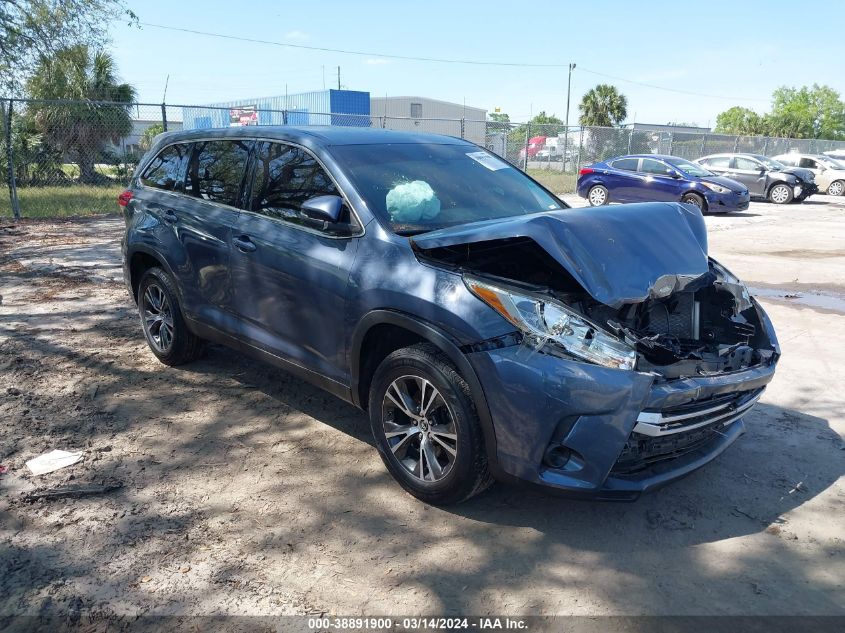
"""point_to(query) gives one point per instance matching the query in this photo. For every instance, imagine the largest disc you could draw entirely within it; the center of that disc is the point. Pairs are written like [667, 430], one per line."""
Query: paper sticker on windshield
[488, 160]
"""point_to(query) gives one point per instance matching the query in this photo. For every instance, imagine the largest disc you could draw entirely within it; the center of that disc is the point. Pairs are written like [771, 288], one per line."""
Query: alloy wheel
[158, 318]
[836, 188]
[420, 428]
[597, 196]
[780, 194]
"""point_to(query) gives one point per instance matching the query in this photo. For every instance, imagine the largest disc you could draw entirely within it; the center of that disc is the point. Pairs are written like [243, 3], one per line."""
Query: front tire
[426, 428]
[164, 326]
[781, 194]
[837, 188]
[597, 195]
[695, 200]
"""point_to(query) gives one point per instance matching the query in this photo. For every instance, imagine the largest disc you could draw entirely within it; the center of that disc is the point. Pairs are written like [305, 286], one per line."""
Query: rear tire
[696, 200]
[436, 447]
[597, 195]
[164, 326]
[781, 193]
[837, 188]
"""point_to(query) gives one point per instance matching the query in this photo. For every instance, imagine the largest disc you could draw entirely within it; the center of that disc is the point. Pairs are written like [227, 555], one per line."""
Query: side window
[284, 178]
[216, 170]
[626, 164]
[746, 164]
[167, 170]
[651, 166]
[719, 162]
[809, 163]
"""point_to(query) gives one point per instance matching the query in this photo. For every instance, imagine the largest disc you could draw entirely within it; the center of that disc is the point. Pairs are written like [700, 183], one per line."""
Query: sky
[727, 52]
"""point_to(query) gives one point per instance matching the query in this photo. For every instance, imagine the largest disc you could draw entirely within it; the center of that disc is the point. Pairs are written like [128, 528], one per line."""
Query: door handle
[169, 216]
[244, 244]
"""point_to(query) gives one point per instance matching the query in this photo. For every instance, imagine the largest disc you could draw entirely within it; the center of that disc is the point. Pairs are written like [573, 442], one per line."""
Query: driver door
[750, 173]
[290, 273]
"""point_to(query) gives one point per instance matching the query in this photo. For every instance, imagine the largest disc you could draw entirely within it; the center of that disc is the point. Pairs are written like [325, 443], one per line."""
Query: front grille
[670, 433]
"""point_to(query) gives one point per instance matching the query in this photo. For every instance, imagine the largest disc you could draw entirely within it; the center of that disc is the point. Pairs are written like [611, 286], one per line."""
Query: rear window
[627, 164]
[167, 170]
[216, 171]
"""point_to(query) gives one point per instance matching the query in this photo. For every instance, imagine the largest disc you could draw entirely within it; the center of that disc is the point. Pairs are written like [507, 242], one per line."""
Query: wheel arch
[705, 205]
[381, 332]
[140, 260]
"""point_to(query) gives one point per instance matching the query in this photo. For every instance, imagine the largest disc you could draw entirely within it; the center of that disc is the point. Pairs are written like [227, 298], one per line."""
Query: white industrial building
[430, 115]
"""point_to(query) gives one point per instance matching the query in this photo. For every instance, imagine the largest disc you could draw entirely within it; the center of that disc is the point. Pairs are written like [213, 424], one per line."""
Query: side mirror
[323, 208]
[674, 174]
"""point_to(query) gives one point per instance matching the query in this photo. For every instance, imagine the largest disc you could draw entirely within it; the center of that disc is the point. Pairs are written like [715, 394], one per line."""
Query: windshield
[690, 169]
[771, 163]
[418, 187]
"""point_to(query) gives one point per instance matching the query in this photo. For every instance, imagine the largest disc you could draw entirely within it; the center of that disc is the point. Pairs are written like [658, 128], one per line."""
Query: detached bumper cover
[539, 401]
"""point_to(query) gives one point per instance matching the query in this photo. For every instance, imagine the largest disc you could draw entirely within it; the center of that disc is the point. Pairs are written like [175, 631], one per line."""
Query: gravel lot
[246, 491]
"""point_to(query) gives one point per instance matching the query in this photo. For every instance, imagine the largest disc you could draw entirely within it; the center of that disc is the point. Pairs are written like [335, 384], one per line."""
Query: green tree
[603, 106]
[816, 112]
[546, 124]
[32, 29]
[740, 121]
[146, 140]
[499, 117]
[81, 128]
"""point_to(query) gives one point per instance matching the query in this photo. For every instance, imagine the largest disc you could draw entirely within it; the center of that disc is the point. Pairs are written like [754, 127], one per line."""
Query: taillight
[586, 170]
[124, 198]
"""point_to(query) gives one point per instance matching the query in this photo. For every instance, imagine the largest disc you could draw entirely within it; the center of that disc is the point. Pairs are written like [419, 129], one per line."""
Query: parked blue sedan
[652, 177]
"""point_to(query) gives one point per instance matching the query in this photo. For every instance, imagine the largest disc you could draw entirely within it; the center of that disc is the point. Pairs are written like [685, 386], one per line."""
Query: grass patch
[554, 181]
[60, 202]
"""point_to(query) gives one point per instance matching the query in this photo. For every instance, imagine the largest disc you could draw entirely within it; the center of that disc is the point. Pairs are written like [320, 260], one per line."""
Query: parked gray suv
[488, 330]
[764, 177]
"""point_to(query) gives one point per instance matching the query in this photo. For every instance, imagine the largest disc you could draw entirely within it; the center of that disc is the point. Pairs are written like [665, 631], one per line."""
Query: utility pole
[566, 123]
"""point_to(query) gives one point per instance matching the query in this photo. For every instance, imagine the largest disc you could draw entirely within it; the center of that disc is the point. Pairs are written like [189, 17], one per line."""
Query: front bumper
[727, 202]
[804, 190]
[541, 403]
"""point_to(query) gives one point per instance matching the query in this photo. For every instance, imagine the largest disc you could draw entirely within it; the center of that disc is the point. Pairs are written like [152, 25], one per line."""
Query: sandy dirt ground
[233, 488]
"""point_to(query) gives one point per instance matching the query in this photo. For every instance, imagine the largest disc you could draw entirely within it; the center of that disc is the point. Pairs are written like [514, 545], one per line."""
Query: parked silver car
[764, 177]
[830, 173]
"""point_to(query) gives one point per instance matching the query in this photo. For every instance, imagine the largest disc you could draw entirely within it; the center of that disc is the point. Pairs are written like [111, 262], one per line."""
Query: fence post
[671, 140]
[164, 116]
[765, 144]
[630, 136]
[10, 165]
[703, 140]
[580, 145]
[462, 127]
[383, 121]
[736, 145]
[284, 117]
[525, 155]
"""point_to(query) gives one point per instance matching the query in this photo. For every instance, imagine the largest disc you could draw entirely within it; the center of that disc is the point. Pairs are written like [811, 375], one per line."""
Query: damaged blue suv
[489, 331]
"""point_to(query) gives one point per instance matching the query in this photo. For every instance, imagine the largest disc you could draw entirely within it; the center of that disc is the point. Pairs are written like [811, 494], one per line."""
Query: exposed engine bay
[702, 325]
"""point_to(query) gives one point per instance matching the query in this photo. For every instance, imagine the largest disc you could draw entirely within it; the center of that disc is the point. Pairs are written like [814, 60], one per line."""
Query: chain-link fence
[63, 158]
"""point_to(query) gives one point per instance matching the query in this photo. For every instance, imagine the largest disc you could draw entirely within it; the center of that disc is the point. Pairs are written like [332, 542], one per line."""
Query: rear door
[291, 273]
[622, 179]
[204, 220]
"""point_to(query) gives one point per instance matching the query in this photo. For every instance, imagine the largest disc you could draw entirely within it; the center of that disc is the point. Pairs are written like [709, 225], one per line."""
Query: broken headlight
[548, 320]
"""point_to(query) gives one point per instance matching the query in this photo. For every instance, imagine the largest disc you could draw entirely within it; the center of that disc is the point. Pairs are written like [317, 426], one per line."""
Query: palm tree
[603, 106]
[82, 124]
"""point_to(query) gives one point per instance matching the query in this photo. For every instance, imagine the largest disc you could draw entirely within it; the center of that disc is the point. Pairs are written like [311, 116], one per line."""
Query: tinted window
[651, 166]
[628, 164]
[809, 163]
[718, 161]
[216, 170]
[167, 170]
[747, 164]
[284, 178]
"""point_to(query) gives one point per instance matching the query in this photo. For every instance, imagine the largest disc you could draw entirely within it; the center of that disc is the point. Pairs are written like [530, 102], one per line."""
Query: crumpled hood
[619, 253]
[804, 174]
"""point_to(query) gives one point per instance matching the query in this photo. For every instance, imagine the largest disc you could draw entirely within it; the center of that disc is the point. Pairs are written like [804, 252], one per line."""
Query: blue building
[322, 107]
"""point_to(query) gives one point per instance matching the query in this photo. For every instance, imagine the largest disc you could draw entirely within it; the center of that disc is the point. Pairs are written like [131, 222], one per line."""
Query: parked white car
[830, 173]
